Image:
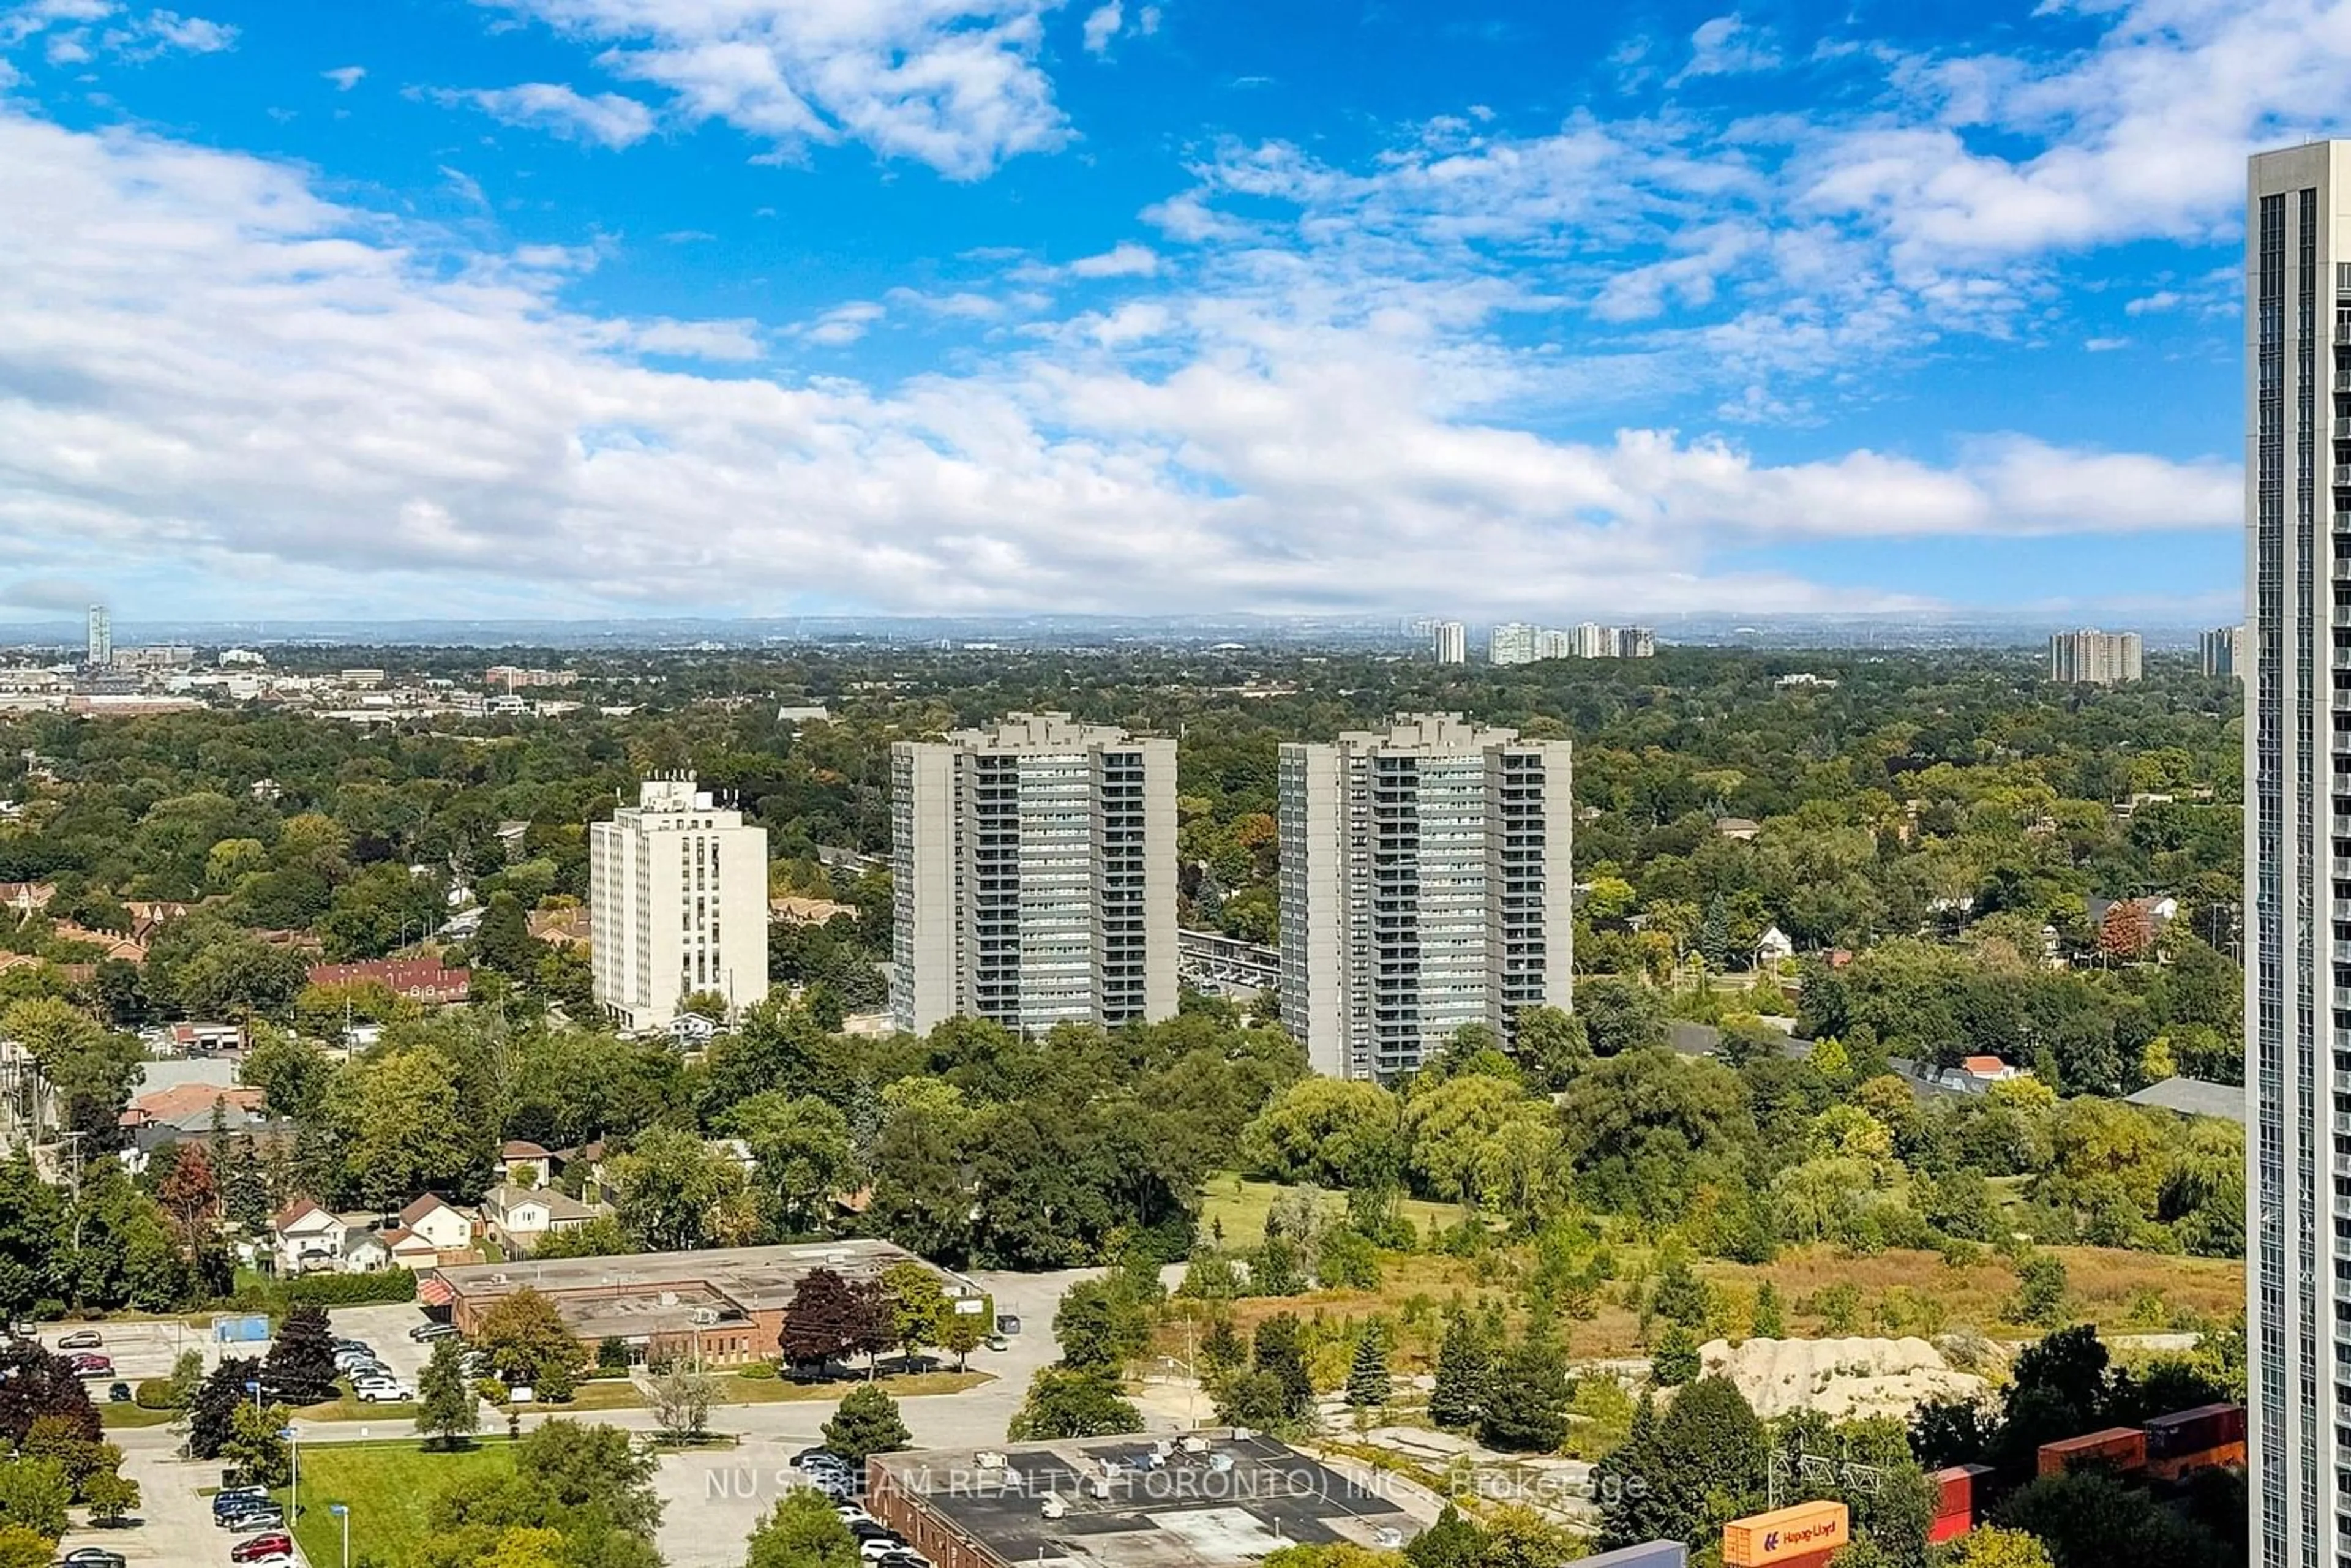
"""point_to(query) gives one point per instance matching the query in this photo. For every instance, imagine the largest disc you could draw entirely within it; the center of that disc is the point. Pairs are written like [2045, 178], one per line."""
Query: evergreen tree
[1367, 1379]
[1770, 1321]
[866, 1422]
[1680, 1295]
[1675, 1361]
[1699, 1465]
[1221, 1348]
[1462, 1364]
[1714, 936]
[1525, 1403]
[1452, 1541]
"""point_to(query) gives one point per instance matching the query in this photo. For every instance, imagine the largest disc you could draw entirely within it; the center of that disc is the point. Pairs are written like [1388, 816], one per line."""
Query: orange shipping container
[2118, 1448]
[1786, 1536]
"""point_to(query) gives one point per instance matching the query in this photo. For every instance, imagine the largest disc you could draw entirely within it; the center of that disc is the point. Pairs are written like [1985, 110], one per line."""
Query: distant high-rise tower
[1426, 883]
[2094, 658]
[1513, 642]
[1034, 876]
[98, 646]
[1450, 640]
[2222, 651]
[677, 895]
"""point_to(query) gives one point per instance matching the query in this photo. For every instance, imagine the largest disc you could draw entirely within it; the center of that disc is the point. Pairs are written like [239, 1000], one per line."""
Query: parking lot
[142, 1349]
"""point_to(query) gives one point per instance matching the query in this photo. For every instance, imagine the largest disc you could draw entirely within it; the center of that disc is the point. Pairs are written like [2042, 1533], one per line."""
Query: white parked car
[383, 1391]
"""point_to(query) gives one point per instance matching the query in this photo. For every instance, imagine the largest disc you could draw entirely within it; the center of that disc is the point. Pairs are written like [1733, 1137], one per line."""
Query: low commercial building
[723, 1303]
[1210, 1500]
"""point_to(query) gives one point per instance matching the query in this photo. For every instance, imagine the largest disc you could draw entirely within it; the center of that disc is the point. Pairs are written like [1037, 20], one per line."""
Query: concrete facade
[2093, 658]
[1426, 883]
[678, 887]
[1034, 867]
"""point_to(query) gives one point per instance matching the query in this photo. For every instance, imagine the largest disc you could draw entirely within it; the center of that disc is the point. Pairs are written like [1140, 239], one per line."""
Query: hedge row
[385, 1285]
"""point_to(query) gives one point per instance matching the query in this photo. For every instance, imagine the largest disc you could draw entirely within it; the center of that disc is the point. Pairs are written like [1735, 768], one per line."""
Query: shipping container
[1959, 1488]
[2116, 1447]
[241, 1330]
[2194, 1431]
[1655, 1554]
[2219, 1456]
[1785, 1537]
[1950, 1527]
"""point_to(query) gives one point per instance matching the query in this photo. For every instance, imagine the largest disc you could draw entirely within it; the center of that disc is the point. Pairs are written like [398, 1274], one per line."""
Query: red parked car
[88, 1366]
[262, 1548]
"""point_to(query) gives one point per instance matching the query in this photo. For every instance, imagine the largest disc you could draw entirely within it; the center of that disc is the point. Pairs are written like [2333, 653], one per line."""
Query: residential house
[1772, 947]
[792, 909]
[1740, 828]
[1989, 1070]
[306, 1238]
[517, 1217]
[563, 927]
[423, 980]
[525, 1164]
[24, 898]
[440, 1226]
[364, 1253]
[150, 915]
[110, 944]
[2160, 909]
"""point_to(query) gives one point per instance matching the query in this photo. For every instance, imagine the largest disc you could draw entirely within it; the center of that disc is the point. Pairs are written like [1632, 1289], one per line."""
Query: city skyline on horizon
[519, 310]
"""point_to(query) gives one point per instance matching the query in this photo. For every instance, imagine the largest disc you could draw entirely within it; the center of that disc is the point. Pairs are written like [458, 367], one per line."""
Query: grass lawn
[1240, 1206]
[598, 1393]
[390, 1487]
[113, 1415]
[349, 1408]
[733, 1389]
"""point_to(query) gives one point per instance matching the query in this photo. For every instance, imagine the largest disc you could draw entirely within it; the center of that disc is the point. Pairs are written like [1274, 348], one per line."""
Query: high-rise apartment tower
[1035, 875]
[2298, 853]
[2091, 658]
[1450, 641]
[678, 892]
[1426, 883]
[2221, 650]
[97, 642]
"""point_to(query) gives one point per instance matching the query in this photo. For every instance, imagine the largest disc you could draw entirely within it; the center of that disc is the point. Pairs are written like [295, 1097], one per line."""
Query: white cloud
[608, 119]
[1103, 25]
[843, 324]
[345, 78]
[2106, 345]
[1729, 45]
[951, 83]
[457, 422]
[74, 37]
[194, 35]
[1125, 259]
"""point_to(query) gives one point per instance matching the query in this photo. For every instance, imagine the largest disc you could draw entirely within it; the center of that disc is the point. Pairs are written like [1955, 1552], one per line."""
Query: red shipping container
[1950, 1527]
[2194, 1431]
[2117, 1448]
[1955, 1489]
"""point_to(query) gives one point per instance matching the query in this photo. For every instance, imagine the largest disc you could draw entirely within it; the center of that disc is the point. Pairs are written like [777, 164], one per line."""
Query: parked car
[266, 1515]
[118, 1393]
[425, 1333]
[274, 1547]
[909, 1557]
[236, 1499]
[873, 1529]
[85, 1365]
[1008, 1322]
[876, 1548]
[998, 1342]
[383, 1391]
[92, 1557]
[81, 1339]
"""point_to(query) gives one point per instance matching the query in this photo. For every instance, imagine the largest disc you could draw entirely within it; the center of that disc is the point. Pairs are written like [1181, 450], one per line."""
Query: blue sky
[597, 307]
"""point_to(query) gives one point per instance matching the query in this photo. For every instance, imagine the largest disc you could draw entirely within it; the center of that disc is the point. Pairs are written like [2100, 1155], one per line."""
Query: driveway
[175, 1522]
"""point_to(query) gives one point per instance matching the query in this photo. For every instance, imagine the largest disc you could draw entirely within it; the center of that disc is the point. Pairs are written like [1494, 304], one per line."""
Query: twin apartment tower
[1426, 883]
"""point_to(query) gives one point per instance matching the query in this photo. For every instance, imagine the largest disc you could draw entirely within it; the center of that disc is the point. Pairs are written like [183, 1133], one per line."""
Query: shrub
[153, 1393]
[491, 1391]
[383, 1287]
[759, 1371]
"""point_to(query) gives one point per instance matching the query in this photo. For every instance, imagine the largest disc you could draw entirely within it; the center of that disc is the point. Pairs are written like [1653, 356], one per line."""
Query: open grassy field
[390, 1488]
[1240, 1208]
[1823, 1293]
[113, 1415]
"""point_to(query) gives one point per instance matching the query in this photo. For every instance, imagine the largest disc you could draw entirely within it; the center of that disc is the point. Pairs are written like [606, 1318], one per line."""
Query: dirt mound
[1838, 1377]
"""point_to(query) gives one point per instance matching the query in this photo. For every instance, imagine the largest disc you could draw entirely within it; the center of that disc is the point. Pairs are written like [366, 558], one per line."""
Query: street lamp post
[342, 1510]
[294, 1474]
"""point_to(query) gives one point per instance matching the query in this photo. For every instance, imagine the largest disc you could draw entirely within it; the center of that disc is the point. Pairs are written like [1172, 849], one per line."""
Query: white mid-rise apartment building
[1450, 641]
[678, 892]
[1514, 642]
[1035, 876]
[1426, 883]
